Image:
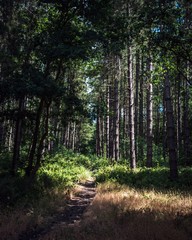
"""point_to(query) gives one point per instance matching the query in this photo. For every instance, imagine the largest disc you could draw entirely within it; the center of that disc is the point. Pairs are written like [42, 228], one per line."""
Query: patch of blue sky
[156, 29]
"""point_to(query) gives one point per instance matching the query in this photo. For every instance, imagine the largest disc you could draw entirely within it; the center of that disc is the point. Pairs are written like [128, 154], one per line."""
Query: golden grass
[122, 213]
[13, 222]
[169, 204]
[116, 213]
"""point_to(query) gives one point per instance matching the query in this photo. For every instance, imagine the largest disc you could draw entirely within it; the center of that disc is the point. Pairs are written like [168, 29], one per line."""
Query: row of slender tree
[145, 94]
[126, 64]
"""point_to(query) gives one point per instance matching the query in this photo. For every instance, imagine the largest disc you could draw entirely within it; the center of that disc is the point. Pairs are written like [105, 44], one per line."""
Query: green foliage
[98, 163]
[156, 178]
[58, 172]
[5, 162]
[158, 159]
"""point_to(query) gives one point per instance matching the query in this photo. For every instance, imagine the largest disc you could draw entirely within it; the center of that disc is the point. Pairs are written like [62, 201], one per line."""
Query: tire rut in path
[72, 214]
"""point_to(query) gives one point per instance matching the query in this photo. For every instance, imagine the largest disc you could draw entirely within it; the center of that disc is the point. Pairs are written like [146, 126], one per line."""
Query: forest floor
[113, 211]
[80, 198]
[123, 213]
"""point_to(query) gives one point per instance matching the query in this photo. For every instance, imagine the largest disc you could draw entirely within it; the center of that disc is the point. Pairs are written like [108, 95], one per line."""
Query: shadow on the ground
[105, 221]
[71, 215]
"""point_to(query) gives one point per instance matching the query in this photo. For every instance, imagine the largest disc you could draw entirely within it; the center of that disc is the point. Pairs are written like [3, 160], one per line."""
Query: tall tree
[131, 110]
[149, 116]
[171, 141]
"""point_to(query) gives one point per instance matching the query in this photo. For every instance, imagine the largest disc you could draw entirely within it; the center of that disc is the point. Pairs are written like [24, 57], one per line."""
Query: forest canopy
[111, 78]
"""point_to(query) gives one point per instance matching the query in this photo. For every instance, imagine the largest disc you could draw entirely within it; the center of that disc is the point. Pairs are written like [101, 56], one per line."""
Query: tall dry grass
[15, 222]
[122, 213]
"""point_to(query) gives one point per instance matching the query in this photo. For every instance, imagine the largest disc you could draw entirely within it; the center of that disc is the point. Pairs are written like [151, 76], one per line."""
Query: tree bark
[137, 79]
[149, 119]
[107, 119]
[111, 122]
[179, 139]
[41, 142]
[98, 130]
[141, 135]
[170, 131]
[116, 107]
[186, 128]
[131, 111]
[35, 138]
[18, 137]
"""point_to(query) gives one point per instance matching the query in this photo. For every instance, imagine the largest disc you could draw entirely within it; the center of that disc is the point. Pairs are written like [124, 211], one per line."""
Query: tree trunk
[124, 119]
[35, 138]
[111, 125]
[170, 131]
[141, 137]
[164, 127]
[116, 107]
[41, 142]
[149, 119]
[18, 137]
[186, 128]
[131, 111]
[98, 130]
[107, 119]
[179, 139]
[157, 127]
[137, 78]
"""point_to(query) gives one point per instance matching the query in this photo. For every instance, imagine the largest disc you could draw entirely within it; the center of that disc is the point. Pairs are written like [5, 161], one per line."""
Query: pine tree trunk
[18, 137]
[10, 136]
[102, 136]
[164, 140]
[111, 126]
[171, 141]
[149, 119]
[124, 119]
[116, 107]
[98, 130]
[35, 138]
[131, 111]
[179, 139]
[137, 78]
[107, 119]
[157, 128]
[73, 138]
[41, 142]
[141, 132]
[186, 128]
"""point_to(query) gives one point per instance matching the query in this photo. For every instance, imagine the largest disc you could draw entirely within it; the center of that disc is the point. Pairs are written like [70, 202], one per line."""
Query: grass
[145, 178]
[121, 212]
[58, 172]
[141, 204]
[24, 205]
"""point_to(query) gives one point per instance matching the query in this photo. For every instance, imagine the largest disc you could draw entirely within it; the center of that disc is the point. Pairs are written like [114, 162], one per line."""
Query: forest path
[72, 214]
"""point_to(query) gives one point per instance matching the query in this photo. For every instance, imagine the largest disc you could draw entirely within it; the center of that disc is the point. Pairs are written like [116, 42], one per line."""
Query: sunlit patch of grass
[25, 204]
[120, 212]
[148, 178]
[168, 203]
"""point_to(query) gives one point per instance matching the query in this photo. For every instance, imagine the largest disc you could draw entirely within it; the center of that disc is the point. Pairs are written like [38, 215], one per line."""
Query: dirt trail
[71, 215]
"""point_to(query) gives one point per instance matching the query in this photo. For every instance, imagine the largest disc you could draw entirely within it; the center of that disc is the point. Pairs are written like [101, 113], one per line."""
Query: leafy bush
[60, 171]
[145, 177]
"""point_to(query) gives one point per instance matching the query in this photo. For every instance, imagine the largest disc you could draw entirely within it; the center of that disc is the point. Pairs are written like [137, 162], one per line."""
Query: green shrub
[157, 178]
[59, 171]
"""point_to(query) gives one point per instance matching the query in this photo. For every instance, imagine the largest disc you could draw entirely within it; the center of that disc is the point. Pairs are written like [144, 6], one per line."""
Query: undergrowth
[25, 204]
[121, 212]
[58, 172]
[149, 178]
